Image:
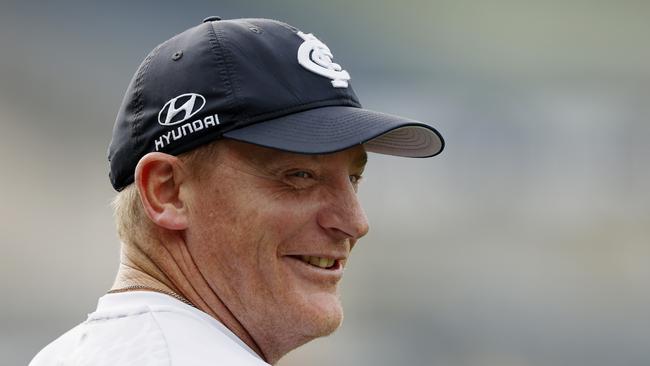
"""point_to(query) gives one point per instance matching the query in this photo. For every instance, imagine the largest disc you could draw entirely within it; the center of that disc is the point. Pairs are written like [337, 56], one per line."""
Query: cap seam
[225, 72]
[139, 106]
[230, 66]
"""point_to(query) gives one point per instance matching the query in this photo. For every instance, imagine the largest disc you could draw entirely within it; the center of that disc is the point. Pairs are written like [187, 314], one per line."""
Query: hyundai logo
[170, 114]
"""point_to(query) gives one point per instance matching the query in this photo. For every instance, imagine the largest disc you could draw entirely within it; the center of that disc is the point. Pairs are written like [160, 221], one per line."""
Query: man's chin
[326, 315]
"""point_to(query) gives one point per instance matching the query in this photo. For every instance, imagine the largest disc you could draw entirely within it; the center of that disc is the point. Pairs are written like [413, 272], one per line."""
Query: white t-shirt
[147, 329]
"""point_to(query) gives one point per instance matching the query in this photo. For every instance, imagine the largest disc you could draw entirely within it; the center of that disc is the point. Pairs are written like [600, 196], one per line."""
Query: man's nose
[342, 215]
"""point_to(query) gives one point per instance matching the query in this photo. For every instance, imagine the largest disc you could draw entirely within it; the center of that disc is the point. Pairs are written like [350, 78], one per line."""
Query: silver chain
[146, 288]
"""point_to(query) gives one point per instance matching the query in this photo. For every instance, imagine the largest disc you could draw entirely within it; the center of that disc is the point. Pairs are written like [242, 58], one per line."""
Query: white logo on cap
[190, 107]
[316, 57]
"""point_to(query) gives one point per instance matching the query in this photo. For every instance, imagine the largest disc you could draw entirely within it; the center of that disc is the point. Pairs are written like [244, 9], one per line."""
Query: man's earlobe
[158, 178]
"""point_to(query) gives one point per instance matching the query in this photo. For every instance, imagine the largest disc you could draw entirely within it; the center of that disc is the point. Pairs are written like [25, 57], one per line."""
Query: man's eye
[354, 179]
[302, 174]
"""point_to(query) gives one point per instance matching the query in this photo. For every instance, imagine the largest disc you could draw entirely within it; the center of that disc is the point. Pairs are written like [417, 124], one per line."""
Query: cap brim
[331, 129]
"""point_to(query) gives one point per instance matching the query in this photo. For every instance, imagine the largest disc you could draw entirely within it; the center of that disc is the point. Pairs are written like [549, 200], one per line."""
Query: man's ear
[158, 178]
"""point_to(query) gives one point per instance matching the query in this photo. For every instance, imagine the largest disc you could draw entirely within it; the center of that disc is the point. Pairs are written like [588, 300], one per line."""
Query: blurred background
[527, 242]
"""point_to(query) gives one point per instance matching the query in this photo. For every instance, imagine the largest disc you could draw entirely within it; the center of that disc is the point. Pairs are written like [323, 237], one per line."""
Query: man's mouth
[324, 270]
[320, 262]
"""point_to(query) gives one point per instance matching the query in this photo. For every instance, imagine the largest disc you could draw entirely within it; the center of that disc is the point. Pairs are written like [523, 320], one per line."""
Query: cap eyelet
[255, 30]
[177, 55]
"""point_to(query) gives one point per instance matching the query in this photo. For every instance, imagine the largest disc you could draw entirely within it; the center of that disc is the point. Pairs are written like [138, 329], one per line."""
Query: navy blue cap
[259, 81]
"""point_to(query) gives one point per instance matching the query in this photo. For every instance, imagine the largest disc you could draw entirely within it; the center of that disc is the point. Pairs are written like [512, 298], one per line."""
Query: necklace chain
[147, 288]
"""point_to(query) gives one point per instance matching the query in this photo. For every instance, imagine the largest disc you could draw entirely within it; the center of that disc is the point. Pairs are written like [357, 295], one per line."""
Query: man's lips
[325, 259]
[320, 262]
[318, 267]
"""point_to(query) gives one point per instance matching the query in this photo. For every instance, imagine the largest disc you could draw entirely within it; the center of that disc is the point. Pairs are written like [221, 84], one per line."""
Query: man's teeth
[318, 261]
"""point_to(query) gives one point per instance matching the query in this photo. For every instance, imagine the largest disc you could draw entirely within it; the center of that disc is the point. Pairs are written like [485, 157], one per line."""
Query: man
[237, 154]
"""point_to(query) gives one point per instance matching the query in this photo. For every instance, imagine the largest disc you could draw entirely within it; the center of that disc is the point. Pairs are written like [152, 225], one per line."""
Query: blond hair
[131, 222]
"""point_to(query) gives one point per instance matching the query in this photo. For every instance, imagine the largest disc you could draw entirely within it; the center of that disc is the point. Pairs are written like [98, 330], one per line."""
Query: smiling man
[237, 154]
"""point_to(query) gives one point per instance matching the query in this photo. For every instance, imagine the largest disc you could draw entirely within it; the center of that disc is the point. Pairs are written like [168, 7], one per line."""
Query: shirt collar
[149, 298]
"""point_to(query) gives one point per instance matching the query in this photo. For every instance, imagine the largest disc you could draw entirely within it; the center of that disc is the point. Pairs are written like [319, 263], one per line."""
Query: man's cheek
[288, 221]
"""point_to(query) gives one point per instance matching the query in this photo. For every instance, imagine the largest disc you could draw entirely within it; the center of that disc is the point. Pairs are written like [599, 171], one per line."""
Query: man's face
[271, 231]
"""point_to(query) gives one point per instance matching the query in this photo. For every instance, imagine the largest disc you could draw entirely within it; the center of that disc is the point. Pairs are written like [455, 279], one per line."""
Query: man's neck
[168, 270]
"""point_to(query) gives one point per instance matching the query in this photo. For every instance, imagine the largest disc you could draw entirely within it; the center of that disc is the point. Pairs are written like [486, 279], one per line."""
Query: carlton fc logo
[316, 57]
[180, 109]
